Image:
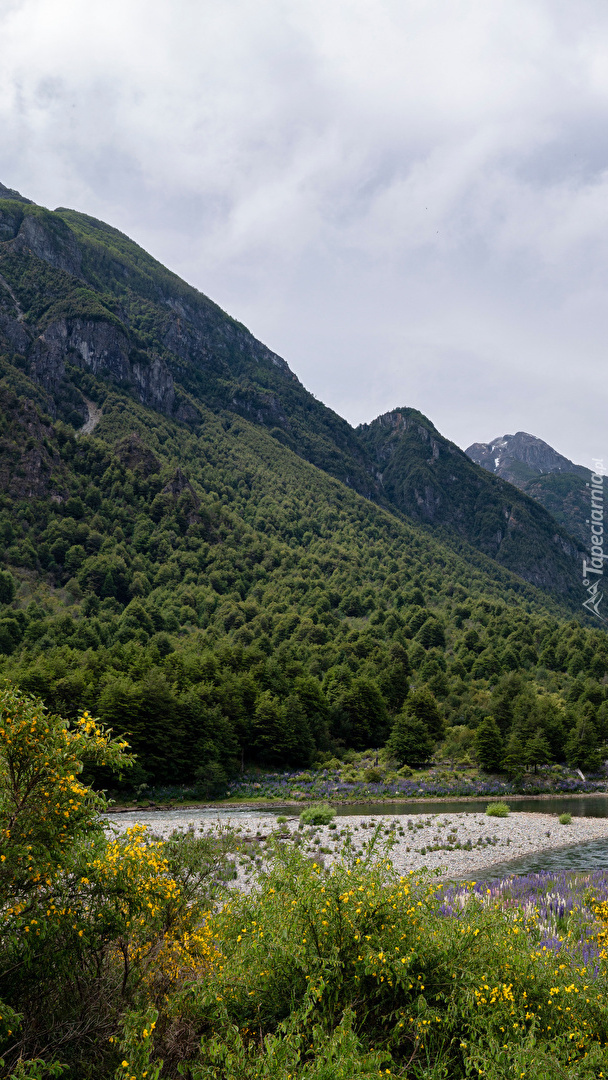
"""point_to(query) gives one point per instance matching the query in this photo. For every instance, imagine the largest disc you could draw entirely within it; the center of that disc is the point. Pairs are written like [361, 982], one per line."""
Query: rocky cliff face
[102, 349]
[77, 296]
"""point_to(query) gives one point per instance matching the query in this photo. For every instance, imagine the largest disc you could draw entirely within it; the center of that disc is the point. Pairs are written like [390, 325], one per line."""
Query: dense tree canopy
[216, 598]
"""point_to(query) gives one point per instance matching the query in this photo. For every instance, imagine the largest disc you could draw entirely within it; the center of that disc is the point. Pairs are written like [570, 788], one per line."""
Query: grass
[498, 809]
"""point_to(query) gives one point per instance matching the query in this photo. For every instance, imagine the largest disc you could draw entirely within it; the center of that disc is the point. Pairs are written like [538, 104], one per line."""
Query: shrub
[333, 763]
[406, 771]
[373, 775]
[319, 814]
[352, 973]
[281, 819]
[87, 921]
[498, 809]
[565, 819]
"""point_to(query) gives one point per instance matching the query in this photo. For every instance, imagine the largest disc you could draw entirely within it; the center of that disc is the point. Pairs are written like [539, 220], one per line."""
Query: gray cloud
[407, 198]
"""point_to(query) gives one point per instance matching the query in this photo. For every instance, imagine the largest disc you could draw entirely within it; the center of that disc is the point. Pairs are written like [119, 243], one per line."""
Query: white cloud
[406, 198]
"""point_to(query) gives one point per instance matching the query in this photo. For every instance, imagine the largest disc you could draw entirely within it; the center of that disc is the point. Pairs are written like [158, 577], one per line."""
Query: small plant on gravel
[320, 814]
[565, 819]
[281, 819]
[498, 809]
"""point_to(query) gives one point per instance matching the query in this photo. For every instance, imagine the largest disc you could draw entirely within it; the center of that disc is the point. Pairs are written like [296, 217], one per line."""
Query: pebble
[493, 840]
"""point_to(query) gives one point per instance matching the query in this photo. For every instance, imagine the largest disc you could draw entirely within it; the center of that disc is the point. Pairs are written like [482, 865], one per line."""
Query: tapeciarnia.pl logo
[593, 571]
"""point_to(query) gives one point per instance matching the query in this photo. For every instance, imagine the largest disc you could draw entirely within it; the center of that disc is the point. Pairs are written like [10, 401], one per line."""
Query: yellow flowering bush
[43, 803]
[90, 922]
[360, 955]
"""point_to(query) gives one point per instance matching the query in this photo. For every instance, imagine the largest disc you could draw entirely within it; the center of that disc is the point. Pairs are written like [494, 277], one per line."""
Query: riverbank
[455, 844]
[278, 806]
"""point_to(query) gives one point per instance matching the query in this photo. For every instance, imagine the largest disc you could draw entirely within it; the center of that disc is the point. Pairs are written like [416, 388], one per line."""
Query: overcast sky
[407, 199]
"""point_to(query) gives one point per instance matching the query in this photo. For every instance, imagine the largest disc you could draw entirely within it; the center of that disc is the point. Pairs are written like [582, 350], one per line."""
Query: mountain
[548, 477]
[432, 481]
[213, 562]
[83, 308]
[521, 457]
[80, 299]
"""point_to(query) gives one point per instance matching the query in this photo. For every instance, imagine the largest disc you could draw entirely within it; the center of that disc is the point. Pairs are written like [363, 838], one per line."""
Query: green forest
[217, 599]
[216, 567]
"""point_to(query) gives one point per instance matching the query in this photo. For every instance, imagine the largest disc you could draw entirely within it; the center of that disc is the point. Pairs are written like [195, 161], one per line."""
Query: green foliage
[582, 748]
[498, 809]
[357, 972]
[88, 922]
[565, 819]
[489, 745]
[7, 587]
[410, 741]
[218, 598]
[514, 761]
[317, 814]
[423, 706]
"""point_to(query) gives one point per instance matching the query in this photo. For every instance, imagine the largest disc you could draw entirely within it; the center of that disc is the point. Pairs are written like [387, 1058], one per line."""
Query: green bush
[319, 814]
[498, 809]
[356, 972]
[373, 775]
[405, 771]
[281, 819]
[565, 819]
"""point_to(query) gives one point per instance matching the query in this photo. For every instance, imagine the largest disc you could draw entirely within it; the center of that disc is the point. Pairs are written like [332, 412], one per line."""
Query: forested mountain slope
[80, 303]
[214, 596]
[431, 480]
[179, 570]
[81, 299]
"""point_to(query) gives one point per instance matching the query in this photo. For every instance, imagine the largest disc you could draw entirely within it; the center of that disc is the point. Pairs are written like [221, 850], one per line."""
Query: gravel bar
[456, 844]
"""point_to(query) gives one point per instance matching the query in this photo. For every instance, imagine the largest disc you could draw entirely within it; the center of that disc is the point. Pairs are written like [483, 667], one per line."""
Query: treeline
[222, 602]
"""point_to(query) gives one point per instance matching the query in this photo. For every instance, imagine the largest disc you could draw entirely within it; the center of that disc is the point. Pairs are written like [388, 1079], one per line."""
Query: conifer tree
[514, 761]
[489, 746]
[538, 751]
[410, 741]
[582, 748]
[422, 704]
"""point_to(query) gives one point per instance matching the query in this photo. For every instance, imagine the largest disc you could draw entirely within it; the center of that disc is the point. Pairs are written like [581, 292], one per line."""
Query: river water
[578, 806]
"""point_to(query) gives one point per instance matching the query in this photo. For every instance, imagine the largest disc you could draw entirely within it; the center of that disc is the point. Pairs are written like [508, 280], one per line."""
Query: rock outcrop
[505, 456]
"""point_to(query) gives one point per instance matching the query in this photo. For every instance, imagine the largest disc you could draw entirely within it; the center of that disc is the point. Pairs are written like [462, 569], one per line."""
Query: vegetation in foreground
[127, 957]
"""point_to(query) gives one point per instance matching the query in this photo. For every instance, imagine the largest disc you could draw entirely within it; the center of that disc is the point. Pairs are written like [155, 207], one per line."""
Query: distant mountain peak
[506, 455]
[536, 468]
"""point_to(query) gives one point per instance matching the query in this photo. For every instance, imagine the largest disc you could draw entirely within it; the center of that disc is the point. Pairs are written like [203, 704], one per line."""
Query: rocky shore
[457, 845]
